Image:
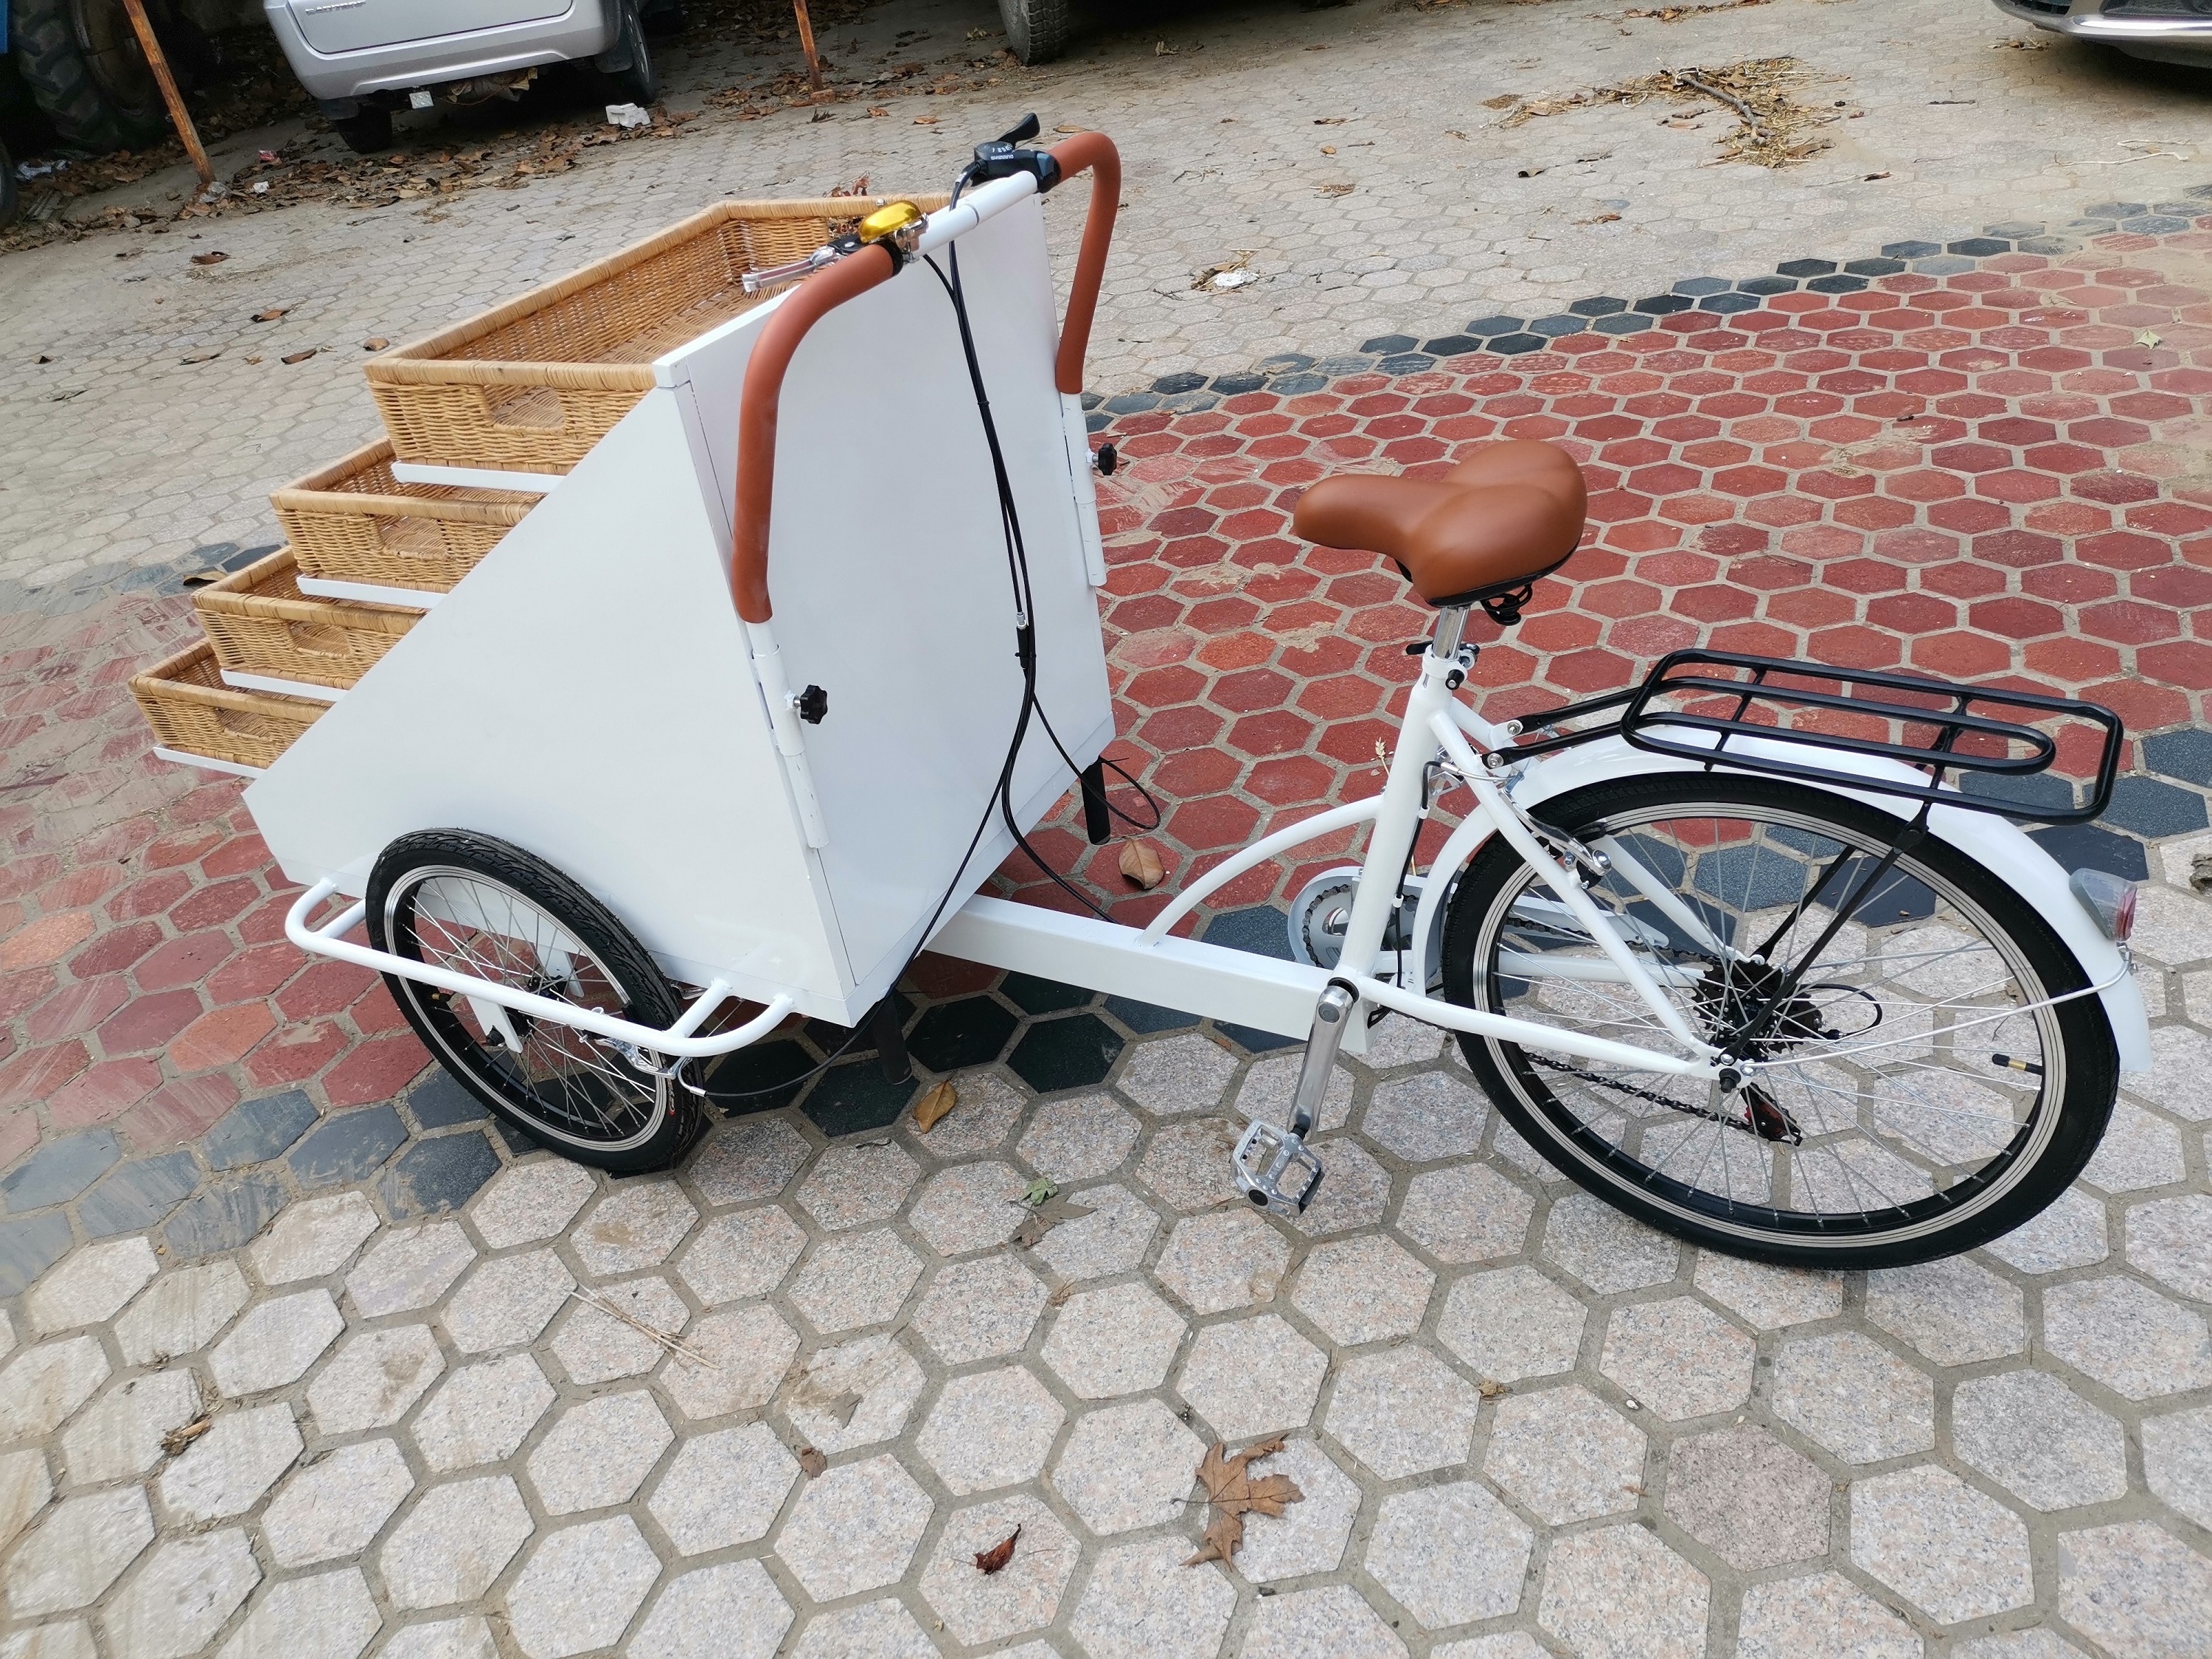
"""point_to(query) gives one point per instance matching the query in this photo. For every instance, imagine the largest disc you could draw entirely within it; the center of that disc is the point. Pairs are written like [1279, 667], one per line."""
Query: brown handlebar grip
[1094, 152]
[813, 299]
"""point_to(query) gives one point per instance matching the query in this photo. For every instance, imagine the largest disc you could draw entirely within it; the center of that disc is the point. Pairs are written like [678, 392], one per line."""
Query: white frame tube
[676, 1041]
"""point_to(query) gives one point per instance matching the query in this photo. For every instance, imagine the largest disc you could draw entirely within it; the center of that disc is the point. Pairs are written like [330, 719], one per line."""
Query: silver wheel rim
[580, 1090]
[1897, 1119]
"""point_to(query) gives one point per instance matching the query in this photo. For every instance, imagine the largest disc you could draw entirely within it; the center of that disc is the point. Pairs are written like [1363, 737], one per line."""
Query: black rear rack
[1694, 704]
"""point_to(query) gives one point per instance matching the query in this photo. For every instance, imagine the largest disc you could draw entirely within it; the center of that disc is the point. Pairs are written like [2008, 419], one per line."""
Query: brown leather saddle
[1482, 535]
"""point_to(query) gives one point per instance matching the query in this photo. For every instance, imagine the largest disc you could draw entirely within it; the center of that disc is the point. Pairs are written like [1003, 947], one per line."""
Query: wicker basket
[193, 712]
[258, 624]
[531, 384]
[354, 522]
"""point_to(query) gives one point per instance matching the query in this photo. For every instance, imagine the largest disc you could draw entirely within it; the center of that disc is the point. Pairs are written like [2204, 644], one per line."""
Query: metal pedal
[1266, 1152]
[1264, 1155]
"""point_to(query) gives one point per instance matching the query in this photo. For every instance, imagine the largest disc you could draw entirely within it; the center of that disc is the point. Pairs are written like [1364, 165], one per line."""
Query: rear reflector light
[2109, 899]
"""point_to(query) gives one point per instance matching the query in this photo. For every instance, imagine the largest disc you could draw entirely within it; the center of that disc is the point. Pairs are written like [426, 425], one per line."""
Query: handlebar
[873, 263]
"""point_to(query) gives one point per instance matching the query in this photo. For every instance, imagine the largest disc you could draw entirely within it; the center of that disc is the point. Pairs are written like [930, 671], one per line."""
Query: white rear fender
[1996, 844]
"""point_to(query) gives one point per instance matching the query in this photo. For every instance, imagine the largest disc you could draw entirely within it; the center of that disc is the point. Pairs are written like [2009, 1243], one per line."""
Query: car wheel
[634, 82]
[367, 132]
[1036, 30]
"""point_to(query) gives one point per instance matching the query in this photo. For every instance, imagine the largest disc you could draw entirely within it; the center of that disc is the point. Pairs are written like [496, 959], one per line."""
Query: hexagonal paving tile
[1363, 1290]
[1143, 1603]
[734, 1256]
[482, 1412]
[1598, 1585]
[598, 1452]
[327, 1613]
[375, 1378]
[854, 1281]
[1357, 1194]
[882, 1628]
[2035, 1437]
[274, 1343]
[182, 1596]
[1467, 1212]
[1449, 1554]
[1606, 1250]
[635, 1226]
[1270, 1085]
[746, 1159]
[226, 1470]
[1402, 1411]
[1127, 1467]
[980, 1309]
[505, 1302]
[853, 1528]
[528, 1202]
[1079, 1138]
[1115, 1340]
[1188, 1164]
[2171, 1240]
[180, 1312]
[1110, 1236]
[2178, 1463]
[1251, 1376]
[80, 1549]
[312, 1239]
[733, 1610]
[1024, 1595]
[1952, 1311]
[580, 1588]
[1171, 1075]
[1310, 1534]
[1429, 1116]
[2069, 1234]
[1331, 1619]
[1678, 1357]
[1951, 1552]
[2134, 1588]
[854, 1394]
[1854, 1397]
[742, 1354]
[405, 1271]
[456, 1540]
[1768, 1298]
[334, 1507]
[1749, 1498]
[2127, 1336]
[989, 1430]
[595, 1345]
[1512, 1323]
[723, 1489]
[1216, 1262]
[121, 1434]
[91, 1286]
[1565, 1454]
[972, 1207]
[852, 1185]
[1821, 1617]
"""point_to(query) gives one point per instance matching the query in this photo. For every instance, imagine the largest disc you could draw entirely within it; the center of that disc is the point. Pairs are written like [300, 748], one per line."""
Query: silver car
[2166, 31]
[362, 59]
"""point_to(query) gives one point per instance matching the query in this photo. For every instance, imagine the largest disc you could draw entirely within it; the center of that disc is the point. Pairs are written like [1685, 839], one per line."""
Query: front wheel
[1915, 1090]
[627, 70]
[470, 904]
[1036, 30]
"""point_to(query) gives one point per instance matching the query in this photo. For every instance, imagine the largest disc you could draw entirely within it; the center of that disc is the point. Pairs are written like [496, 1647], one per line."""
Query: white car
[362, 59]
[2164, 31]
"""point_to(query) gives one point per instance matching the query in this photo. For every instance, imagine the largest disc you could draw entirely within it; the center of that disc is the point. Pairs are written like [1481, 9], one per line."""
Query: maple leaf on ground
[995, 1559]
[1234, 1492]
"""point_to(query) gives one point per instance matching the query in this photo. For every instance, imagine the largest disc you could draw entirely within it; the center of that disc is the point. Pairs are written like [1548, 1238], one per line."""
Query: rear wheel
[1036, 30]
[474, 905]
[635, 82]
[1909, 1099]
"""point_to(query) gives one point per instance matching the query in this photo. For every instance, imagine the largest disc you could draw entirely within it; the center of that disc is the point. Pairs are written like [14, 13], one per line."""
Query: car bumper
[2168, 38]
[587, 28]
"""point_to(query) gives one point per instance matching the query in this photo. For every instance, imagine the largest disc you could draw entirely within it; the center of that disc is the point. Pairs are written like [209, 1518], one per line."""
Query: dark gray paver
[223, 1215]
[28, 1247]
[59, 1170]
[439, 1102]
[255, 1131]
[442, 1174]
[135, 1195]
[2150, 806]
[348, 1147]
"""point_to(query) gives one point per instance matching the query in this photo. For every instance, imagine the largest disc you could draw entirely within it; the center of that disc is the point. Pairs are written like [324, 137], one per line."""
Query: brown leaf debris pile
[1773, 128]
[1677, 14]
[1234, 1492]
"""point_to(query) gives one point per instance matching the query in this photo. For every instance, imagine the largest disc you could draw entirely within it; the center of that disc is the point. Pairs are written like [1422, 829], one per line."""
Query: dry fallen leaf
[1235, 1492]
[374, 343]
[2200, 873]
[1491, 1390]
[925, 120]
[1059, 1297]
[2149, 336]
[211, 258]
[1504, 100]
[271, 314]
[1140, 861]
[995, 1559]
[1326, 190]
[298, 356]
[929, 1111]
[177, 1439]
[203, 357]
[811, 1462]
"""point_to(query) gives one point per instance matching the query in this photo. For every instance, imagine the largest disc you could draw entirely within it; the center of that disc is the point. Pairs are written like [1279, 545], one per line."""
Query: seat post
[1451, 622]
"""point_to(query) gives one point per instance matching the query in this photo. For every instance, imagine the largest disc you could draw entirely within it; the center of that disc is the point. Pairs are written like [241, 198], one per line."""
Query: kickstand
[1266, 1153]
[890, 1040]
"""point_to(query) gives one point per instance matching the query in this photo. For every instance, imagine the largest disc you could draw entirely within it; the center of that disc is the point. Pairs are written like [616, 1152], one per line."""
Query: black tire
[8, 199]
[663, 19]
[1036, 30]
[365, 133]
[595, 1106]
[89, 78]
[2023, 1166]
[638, 83]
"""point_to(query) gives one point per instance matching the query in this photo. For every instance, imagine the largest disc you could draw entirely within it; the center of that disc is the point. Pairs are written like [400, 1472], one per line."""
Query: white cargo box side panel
[887, 567]
[585, 694]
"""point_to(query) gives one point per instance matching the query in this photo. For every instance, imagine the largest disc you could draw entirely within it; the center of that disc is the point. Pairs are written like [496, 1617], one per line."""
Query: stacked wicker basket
[528, 386]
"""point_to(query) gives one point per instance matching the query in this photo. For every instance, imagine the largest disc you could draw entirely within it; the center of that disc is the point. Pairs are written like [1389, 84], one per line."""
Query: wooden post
[805, 39]
[178, 115]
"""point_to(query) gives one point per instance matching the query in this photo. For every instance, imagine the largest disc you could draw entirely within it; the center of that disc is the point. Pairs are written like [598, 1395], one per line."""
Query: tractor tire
[1036, 30]
[90, 79]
